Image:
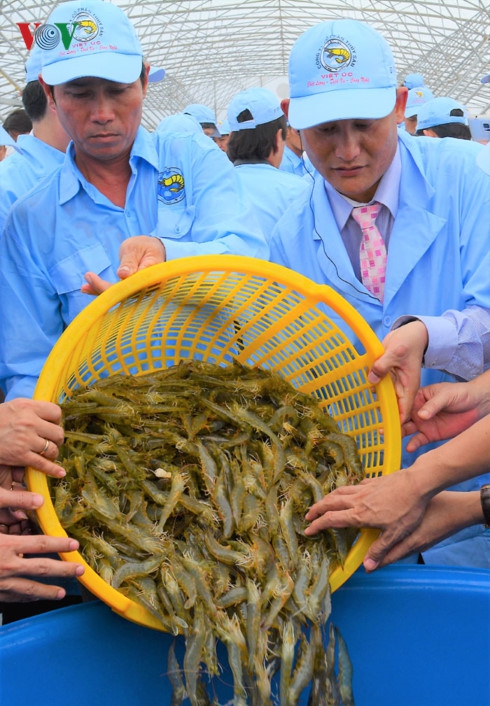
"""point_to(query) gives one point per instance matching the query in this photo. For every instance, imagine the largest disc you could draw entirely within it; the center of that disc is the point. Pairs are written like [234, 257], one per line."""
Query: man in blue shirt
[38, 153]
[432, 203]
[256, 146]
[173, 194]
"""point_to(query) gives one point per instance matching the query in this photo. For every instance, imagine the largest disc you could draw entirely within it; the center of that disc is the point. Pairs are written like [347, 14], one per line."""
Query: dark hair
[34, 100]
[257, 143]
[17, 122]
[458, 130]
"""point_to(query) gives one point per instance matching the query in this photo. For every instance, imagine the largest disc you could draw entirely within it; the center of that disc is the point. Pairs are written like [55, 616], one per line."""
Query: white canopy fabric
[210, 49]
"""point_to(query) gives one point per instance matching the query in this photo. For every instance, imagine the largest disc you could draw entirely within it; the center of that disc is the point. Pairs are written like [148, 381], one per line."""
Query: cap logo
[336, 55]
[82, 28]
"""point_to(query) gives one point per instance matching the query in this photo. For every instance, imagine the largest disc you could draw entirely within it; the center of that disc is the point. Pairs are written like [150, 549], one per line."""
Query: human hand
[446, 513]
[135, 254]
[442, 411]
[402, 359]
[17, 571]
[393, 503]
[30, 434]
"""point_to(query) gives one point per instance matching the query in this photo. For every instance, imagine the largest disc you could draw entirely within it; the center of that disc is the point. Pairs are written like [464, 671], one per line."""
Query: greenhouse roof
[212, 49]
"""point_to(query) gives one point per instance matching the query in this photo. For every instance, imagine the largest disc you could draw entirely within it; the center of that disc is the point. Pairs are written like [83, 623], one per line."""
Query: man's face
[100, 116]
[353, 155]
[222, 142]
[411, 125]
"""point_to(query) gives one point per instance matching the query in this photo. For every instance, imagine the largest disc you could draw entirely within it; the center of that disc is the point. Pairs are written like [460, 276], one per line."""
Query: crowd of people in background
[339, 182]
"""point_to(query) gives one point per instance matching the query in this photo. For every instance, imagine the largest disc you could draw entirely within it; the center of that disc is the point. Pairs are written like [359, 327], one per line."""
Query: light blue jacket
[270, 191]
[438, 259]
[24, 169]
[183, 189]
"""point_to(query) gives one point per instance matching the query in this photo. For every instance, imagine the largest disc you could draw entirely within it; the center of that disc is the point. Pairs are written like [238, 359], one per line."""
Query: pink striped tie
[372, 253]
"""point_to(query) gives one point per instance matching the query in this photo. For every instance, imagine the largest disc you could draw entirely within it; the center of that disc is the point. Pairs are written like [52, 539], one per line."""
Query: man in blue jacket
[428, 203]
[175, 194]
[37, 153]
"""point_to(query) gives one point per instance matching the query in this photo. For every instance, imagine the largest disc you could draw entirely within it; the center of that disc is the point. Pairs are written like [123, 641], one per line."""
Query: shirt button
[387, 321]
[177, 229]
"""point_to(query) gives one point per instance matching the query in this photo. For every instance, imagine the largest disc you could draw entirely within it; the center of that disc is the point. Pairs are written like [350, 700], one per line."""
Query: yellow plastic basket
[220, 308]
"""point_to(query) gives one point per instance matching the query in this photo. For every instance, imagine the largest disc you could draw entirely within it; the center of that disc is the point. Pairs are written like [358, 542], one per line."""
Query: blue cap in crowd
[89, 38]
[485, 79]
[262, 104]
[203, 114]
[416, 98]
[340, 70]
[34, 63]
[224, 127]
[414, 81]
[179, 123]
[156, 74]
[438, 112]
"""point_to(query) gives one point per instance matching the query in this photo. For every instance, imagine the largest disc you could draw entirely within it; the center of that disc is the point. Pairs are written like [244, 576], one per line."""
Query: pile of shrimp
[187, 489]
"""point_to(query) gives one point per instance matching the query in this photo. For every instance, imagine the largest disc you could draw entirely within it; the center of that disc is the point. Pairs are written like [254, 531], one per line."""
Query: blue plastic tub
[417, 636]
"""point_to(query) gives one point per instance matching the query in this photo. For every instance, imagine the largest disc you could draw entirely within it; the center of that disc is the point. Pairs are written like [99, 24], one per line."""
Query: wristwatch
[485, 503]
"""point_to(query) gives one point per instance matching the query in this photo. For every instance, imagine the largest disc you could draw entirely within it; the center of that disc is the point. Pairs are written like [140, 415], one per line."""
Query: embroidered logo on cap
[337, 55]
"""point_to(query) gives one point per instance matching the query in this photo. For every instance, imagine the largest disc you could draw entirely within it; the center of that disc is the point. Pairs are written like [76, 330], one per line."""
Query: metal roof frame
[211, 49]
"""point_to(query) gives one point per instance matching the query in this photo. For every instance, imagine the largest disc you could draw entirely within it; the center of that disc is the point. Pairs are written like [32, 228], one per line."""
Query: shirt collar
[72, 179]
[387, 193]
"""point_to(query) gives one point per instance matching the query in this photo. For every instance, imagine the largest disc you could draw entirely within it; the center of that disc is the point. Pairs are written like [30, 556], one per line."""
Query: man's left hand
[135, 254]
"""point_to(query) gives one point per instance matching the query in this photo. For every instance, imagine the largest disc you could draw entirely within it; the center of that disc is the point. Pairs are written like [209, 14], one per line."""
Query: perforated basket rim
[155, 275]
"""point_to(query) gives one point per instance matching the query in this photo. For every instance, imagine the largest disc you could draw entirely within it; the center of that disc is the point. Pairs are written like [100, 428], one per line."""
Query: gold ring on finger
[46, 446]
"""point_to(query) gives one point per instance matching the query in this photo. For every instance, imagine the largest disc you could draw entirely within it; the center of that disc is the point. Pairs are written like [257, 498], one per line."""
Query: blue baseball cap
[156, 74]
[92, 38]
[224, 127]
[485, 79]
[34, 63]
[262, 104]
[414, 81]
[416, 98]
[179, 122]
[203, 114]
[340, 70]
[438, 112]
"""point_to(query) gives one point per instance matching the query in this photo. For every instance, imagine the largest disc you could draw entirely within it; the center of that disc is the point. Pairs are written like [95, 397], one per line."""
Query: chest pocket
[175, 220]
[68, 275]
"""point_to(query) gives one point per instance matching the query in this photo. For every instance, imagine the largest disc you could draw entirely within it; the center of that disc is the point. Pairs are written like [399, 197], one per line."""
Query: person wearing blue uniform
[433, 203]
[416, 98]
[256, 145]
[295, 159]
[206, 117]
[444, 117]
[176, 193]
[38, 153]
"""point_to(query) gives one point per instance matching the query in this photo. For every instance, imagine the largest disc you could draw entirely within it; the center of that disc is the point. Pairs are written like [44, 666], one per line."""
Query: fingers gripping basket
[220, 308]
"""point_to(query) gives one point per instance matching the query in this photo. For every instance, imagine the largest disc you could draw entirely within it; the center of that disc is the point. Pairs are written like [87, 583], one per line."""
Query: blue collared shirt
[32, 162]
[270, 191]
